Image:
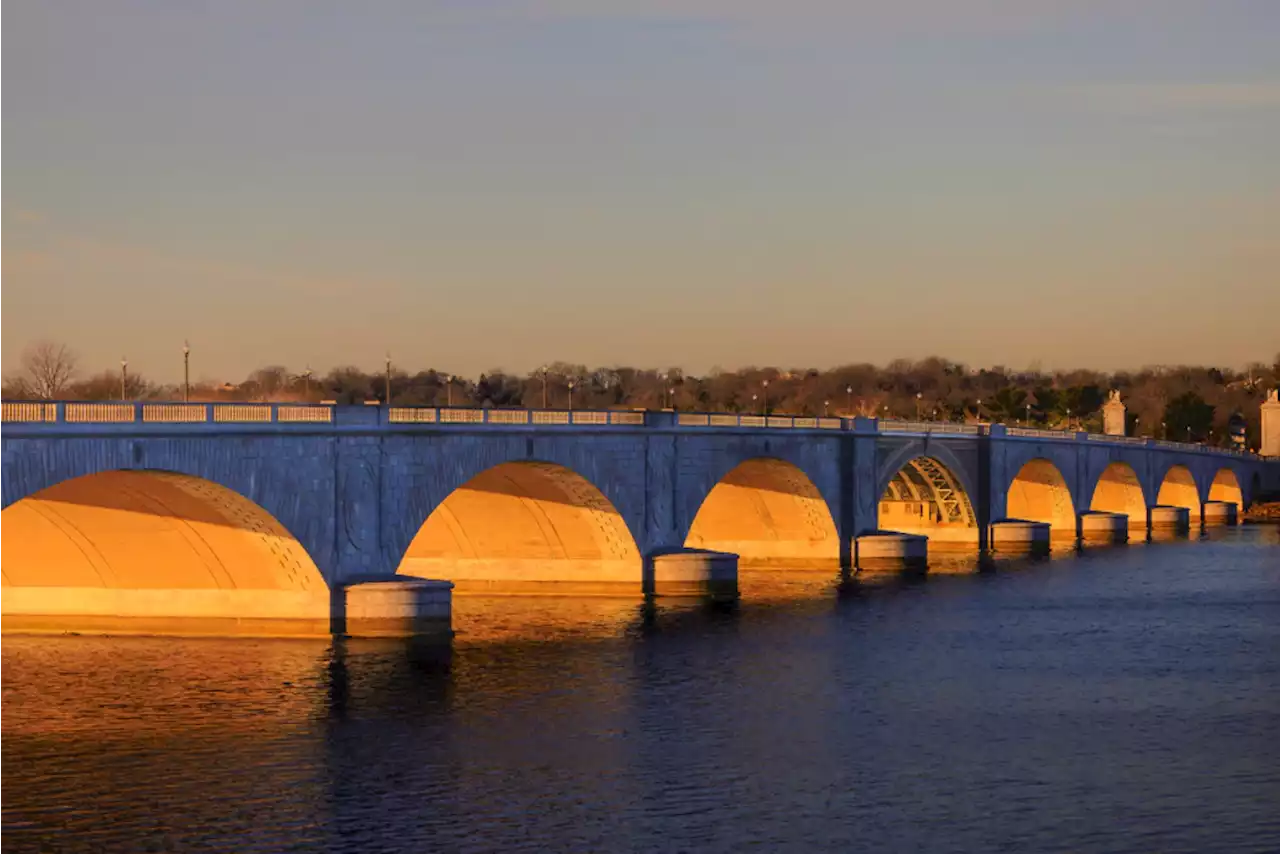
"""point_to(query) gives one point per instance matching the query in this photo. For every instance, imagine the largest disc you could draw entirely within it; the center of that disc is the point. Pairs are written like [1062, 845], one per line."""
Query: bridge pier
[1166, 519]
[692, 573]
[890, 550]
[1099, 527]
[1219, 513]
[1019, 537]
[396, 607]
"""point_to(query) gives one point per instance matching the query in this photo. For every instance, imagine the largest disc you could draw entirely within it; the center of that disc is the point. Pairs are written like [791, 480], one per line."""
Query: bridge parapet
[176, 415]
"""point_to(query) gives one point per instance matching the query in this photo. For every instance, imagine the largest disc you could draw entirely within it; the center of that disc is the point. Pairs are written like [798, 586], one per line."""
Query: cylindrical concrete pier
[1017, 536]
[890, 550]
[1220, 513]
[399, 607]
[1165, 519]
[1100, 527]
[693, 573]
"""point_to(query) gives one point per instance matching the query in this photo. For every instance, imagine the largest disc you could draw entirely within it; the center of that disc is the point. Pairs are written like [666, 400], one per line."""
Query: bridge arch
[1178, 488]
[1119, 490]
[925, 496]
[1039, 493]
[768, 512]
[153, 550]
[1226, 487]
[520, 524]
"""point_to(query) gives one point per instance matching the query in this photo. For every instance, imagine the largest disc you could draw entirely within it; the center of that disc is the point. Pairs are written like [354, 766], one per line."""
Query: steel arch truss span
[519, 525]
[925, 497]
[1039, 493]
[769, 513]
[143, 551]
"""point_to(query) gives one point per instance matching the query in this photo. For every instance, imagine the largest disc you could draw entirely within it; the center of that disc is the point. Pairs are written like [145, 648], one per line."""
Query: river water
[1123, 699]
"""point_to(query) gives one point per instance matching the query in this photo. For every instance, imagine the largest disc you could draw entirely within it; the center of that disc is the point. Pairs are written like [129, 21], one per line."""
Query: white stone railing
[302, 414]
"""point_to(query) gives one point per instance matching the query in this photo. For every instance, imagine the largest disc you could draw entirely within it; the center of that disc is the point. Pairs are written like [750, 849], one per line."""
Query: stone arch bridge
[256, 512]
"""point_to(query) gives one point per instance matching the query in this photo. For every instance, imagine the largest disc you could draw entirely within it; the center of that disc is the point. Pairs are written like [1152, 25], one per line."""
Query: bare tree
[47, 369]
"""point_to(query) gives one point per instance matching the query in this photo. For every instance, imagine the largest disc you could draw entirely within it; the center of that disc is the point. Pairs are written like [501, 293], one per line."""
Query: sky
[703, 183]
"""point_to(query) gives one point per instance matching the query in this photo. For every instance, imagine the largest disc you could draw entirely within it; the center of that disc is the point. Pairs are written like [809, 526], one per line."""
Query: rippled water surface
[1127, 699]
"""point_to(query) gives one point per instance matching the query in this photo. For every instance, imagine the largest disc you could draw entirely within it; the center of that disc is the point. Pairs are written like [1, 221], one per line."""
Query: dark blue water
[1124, 700]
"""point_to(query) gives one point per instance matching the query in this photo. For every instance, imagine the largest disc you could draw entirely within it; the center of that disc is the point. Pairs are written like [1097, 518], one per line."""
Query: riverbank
[1263, 511]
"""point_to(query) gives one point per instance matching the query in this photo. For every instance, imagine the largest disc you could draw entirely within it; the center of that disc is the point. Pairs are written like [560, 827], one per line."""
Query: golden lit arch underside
[925, 497]
[1178, 489]
[771, 515]
[519, 525]
[1226, 487]
[1039, 493]
[149, 551]
[1119, 491]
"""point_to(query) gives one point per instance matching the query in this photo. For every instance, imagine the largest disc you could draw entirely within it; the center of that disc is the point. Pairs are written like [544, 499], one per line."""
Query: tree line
[1185, 402]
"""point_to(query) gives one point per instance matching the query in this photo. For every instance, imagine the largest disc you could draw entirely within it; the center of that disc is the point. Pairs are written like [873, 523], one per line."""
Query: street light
[919, 400]
[1028, 421]
[764, 410]
[388, 398]
[826, 404]
[544, 386]
[306, 381]
[186, 372]
[754, 398]
[448, 390]
[849, 391]
[978, 410]
[673, 398]
[1068, 417]
[571, 384]
[124, 372]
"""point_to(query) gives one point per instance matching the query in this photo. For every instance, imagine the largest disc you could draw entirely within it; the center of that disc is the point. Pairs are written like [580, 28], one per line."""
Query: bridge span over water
[254, 513]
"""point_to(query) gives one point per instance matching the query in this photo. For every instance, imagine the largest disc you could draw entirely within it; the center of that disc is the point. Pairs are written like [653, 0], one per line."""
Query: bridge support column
[692, 573]
[1170, 520]
[398, 608]
[1099, 527]
[1220, 513]
[889, 550]
[1019, 537]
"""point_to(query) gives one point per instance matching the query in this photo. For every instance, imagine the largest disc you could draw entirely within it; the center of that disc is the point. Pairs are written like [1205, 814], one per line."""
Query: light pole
[544, 386]
[186, 372]
[306, 383]
[826, 405]
[848, 390]
[663, 377]
[978, 411]
[919, 400]
[571, 384]
[448, 392]
[764, 409]
[1188, 433]
[673, 398]
[124, 368]
[754, 398]
[388, 379]
[1164, 430]
[1028, 421]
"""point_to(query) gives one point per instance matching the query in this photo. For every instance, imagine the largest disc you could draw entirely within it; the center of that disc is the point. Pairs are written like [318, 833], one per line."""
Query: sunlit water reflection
[1120, 699]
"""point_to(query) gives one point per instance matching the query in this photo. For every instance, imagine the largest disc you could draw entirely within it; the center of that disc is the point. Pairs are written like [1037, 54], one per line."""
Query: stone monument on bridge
[1113, 412]
[1271, 425]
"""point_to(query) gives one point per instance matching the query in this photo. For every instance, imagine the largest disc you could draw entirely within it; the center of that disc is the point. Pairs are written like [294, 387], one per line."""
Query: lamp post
[1068, 417]
[1188, 433]
[124, 376]
[826, 405]
[848, 390]
[571, 384]
[448, 390]
[919, 400]
[673, 398]
[663, 377]
[186, 372]
[978, 411]
[1164, 430]
[754, 398]
[306, 382]
[388, 379]
[764, 409]
[544, 386]
[1028, 421]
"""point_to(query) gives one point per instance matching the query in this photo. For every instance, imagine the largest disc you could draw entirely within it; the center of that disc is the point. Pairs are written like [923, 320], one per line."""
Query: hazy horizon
[1080, 184]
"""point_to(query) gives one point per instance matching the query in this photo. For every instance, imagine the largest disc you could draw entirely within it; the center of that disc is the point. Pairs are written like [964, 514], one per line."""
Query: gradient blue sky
[697, 183]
